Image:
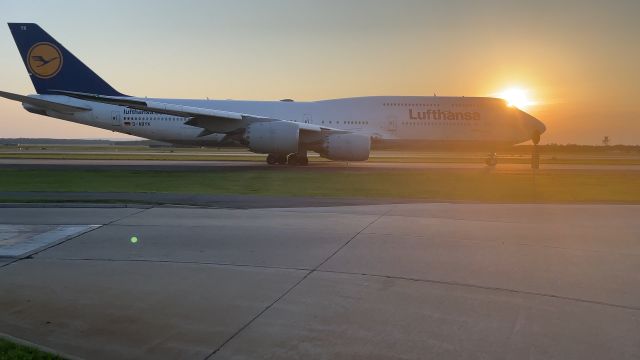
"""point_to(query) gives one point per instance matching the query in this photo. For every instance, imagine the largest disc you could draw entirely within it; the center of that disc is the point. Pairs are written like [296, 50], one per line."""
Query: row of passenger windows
[411, 104]
[348, 122]
[165, 118]
[463, 105]
[162, 118]
[436, 123]
[429, 105]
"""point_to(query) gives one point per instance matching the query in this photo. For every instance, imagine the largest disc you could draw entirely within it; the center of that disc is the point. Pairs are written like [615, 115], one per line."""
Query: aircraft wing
[45, 104]
[212, 121]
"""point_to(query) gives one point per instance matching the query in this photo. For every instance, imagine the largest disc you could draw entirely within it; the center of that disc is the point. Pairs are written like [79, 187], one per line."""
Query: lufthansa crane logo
[45, 60]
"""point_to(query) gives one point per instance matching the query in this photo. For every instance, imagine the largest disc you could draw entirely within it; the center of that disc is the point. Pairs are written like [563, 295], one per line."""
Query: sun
[517, 97]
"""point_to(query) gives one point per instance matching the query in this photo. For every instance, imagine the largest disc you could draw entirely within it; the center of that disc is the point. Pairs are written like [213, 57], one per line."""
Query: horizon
[578, 69]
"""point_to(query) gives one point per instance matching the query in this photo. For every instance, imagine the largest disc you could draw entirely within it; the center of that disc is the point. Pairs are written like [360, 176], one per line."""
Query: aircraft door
[391, 124]
[116, 118]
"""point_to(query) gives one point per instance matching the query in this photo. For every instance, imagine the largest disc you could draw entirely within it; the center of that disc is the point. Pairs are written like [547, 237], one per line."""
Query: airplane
[340, 129]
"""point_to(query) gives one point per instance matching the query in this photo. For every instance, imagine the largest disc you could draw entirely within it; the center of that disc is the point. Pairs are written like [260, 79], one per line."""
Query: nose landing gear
[491, 160]
[535, 158]
[535, 154]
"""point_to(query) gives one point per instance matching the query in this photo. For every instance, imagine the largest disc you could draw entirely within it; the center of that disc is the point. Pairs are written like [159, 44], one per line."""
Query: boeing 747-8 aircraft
[341, 129]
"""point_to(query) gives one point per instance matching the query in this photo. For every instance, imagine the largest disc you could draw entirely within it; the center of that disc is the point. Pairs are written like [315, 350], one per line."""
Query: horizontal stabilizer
[45, 104]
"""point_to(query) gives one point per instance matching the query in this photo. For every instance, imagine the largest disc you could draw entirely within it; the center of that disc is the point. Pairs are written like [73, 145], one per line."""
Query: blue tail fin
[52, 67]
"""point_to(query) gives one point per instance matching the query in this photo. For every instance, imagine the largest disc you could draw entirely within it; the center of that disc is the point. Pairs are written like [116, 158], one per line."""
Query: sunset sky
[578, 60]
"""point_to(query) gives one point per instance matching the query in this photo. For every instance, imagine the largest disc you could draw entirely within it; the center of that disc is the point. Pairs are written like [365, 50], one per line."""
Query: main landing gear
[296, 159]
[279, 159]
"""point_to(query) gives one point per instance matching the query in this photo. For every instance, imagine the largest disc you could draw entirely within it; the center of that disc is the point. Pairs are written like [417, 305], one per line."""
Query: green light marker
[134, 239]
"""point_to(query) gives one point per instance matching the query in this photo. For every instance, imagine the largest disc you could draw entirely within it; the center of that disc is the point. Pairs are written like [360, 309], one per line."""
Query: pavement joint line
[353, 237]
[319, 231]
[221, 264]
[493, 288]
[524, 222]
[469, 220]
[9, 263]
[579, 249]
[30, 255]
[501, 242]
[309, 273]
[395, 277]
[247, 324]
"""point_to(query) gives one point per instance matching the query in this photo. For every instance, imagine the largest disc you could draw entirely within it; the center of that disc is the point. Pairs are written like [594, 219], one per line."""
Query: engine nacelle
[347, 147]
[273, 137]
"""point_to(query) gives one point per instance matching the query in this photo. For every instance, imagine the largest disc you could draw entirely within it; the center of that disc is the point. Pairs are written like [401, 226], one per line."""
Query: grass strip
[12, 351]
[442, 184]
[380, 159]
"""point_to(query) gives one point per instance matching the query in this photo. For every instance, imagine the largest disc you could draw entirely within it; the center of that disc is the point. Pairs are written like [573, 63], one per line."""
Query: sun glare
[517, 97]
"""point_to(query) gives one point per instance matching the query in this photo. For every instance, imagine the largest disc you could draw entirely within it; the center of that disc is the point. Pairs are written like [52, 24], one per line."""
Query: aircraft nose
[533, 126]
[532, 123]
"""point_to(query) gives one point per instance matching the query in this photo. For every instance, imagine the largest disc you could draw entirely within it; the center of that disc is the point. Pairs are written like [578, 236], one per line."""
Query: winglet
[51, 66]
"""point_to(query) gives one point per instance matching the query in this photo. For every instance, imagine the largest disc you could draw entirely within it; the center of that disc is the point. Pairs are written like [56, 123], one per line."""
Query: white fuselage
[390, 120]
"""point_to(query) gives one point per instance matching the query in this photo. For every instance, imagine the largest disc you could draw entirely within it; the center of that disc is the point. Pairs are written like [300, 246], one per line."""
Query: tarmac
[377, 281]
[177, 165]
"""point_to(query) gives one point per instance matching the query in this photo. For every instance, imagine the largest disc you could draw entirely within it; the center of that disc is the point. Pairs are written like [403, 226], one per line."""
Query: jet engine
[346, 147]
[273, 137]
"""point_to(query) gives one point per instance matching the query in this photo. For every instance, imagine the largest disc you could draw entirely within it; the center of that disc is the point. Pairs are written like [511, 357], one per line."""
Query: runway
[409, 281]
[169, 165]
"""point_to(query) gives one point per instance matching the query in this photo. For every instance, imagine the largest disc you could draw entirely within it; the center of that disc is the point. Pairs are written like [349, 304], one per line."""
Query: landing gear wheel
[273, 159]
[298, 159]
[281, 159]
[492, 160]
